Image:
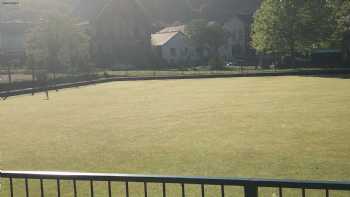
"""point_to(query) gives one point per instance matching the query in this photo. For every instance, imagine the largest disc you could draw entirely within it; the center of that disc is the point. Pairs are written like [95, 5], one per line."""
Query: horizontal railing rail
[250, 186]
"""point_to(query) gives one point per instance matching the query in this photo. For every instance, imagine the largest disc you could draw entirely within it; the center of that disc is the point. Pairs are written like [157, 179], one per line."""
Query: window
[173, 51]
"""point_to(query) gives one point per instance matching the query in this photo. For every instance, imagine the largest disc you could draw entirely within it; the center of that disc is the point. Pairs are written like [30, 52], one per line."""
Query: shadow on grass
[334, 76]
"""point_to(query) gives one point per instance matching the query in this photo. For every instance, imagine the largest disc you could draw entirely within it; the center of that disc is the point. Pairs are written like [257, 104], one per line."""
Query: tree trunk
[292, 54]
[33, 74]
[33, 79]
[346, 48]
[54, 75]
[9, 73]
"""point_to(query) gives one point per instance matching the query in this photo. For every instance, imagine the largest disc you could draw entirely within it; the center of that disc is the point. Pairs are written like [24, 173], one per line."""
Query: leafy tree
[206, 37]
[121, 27]
[341, 36]
[167, 12]
[265, 35]
[289, 27]
[222, 10]
[33, 10]
[57, 44]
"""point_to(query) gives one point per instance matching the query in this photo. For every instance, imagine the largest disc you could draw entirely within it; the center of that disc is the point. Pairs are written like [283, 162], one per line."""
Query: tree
[167, 12]
[33, 10]
[290, 27]
[57, 45]
[206, 37]
[341, 36]
[222, 10]
[74, 53]
[122, 27]
[318, 22]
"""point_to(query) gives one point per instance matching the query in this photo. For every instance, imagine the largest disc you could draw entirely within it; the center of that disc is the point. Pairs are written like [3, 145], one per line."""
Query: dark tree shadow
[335, 76]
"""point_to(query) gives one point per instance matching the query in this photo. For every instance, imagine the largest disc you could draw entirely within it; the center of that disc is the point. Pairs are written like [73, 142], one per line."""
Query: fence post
[250, 190]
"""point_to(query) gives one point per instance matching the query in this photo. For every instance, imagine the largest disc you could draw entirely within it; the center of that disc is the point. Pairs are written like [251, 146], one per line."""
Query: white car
[229, 64]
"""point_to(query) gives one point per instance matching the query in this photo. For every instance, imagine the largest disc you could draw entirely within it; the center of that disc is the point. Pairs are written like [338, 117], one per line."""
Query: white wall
[237, 37]
[180, 44]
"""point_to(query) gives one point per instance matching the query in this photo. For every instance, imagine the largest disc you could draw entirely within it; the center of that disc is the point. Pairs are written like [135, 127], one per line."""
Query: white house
[172, 45]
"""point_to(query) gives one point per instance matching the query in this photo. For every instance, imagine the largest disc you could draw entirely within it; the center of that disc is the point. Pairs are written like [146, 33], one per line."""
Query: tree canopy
[288, 27]
[341, 36]
[207, 38]
[170, 11]
[58, 44]
[121, 27]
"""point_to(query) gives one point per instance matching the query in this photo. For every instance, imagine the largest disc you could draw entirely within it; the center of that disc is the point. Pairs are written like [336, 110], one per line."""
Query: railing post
[250, 190]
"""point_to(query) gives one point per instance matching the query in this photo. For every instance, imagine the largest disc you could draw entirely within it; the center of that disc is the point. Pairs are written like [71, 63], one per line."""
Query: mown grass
[271, 127]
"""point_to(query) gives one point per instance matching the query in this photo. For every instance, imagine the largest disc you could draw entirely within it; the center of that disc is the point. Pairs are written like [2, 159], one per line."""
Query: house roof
[160, 39]
[180, 28]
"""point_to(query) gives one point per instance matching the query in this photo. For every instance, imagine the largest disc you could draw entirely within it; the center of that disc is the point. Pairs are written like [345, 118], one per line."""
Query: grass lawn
[268, 127]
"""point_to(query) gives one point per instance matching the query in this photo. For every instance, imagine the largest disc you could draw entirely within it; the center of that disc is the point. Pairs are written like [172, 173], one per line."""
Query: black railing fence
[20, 183]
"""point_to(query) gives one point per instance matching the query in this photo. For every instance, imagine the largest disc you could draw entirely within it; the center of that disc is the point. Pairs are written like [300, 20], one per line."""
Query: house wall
[177, 50]
[235, 47]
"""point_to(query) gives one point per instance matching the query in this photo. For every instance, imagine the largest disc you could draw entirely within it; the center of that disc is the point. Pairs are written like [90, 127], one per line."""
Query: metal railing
[250, 186]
